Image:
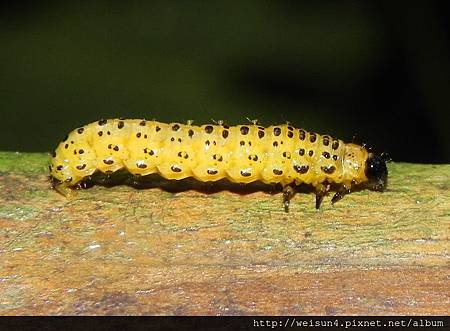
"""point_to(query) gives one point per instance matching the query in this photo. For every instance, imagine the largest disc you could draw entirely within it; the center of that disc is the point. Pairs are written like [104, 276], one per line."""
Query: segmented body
[242, 154]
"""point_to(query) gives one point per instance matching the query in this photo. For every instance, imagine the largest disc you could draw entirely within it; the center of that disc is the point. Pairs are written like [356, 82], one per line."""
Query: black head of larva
[376, 172]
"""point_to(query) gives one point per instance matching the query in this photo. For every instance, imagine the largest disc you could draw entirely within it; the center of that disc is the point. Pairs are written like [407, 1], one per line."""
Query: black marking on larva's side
[120, 125]
[175, 168]
[212, 172]
[326, 140]
[80, 151]
[190, 133]
[303, 169]
[116, 148]
[328, 169]
[157, 128]
[261, 134]
[141, 165]
[225, 134]
[108, 133]
[225, 126]
[60, 167]
[110, 146]
[102, 122]
[218, 157]
[312, 137]
[290, 134]
[72, 142]
[276, 131]
[81, 167]
[311, 153]
[151, 152]
[183, 155]
[138, 135]
[74, 152]
[242, 143]
[275, 144]
[245, 173]
[302, 134]
[179, 140]
[66, 146]
[287, 155]
[335, 157]
[326, 155]
[253, 157]
[335, 145]
[108, 162]
[277, 172]
[80, 130]
[143, 123]
[209, 129]
[65, 138]
[290, 128]
[100, 133]
[244, 130]
[175, 127]
[301, 151]
[207, 143]
[145, 136]
[172, 139]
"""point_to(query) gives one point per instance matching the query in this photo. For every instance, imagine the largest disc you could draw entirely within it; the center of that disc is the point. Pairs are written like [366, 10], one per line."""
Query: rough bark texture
[120, 250]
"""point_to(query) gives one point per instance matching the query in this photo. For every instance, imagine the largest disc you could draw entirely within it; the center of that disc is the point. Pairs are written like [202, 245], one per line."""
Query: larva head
[376, 171]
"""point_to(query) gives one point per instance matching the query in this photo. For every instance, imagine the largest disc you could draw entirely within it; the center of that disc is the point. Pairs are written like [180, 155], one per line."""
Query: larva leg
[65, 190]
[340, 194]
[321, 191]
[288, 193]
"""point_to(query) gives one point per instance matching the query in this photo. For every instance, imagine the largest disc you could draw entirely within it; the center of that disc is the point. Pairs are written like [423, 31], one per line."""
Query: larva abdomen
[242, 154]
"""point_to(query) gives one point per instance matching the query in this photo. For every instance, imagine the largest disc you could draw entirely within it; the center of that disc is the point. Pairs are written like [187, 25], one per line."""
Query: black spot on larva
[302, 134]
[175, 169]
[253, 157]
[275, 144]
[301, 169]
[65, 138]
[244, 130]
[145, 136]
[108, 161]
[141, 165]
[312, 137]
[179, 140]
[301, 151]
[71, 141]
[121, 124]
[209, 128]
[145, 150]
[60, 167]
[335, 157]
[328, 170]
[175, 127]
[74, 152]
[54, 154]
[245, 173]
[157, 128]
[110, 146]
[211, 172]
[207, 143]
[138, 135]
[311, 153]
[100, 133]
[81, 151]
[335, 145]
[143, 123]
[102, 122]
[180, 154]
[218, 157]
[108, 133]
[116, 148]
[242, 143]
[151, 152]
[225, 134]
[287, 155]
[277, 172]
[276, 131]
[81, 167]
[172, 139]
[225, 126]
[290, 128]
[190, 133]
[66, 146]
[326, 155]
[80, 130]
[260, 134]
[326, 140]
[290, 134]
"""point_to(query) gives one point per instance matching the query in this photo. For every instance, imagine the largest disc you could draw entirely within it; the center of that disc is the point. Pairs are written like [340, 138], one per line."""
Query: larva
[242, 154]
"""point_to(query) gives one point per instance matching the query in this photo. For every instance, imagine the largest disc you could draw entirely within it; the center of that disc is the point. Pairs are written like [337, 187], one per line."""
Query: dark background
[375, 70]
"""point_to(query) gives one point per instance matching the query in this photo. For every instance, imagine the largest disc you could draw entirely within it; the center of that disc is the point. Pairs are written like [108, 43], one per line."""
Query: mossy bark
[120, 250]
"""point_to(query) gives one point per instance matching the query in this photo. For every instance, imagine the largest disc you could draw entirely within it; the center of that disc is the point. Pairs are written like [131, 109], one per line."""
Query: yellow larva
[241, 154]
